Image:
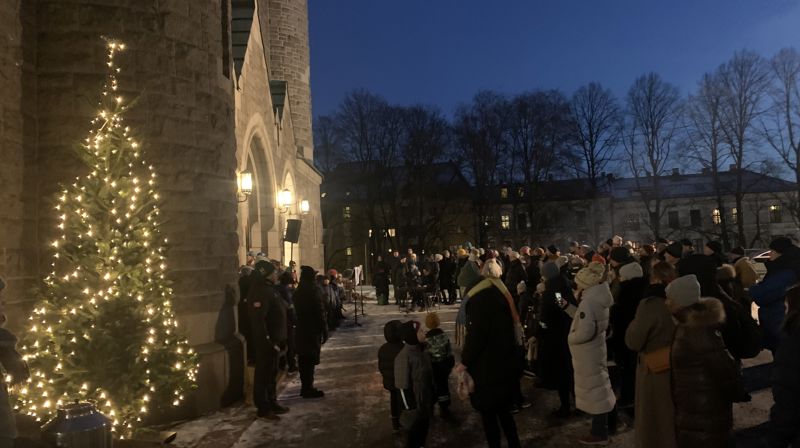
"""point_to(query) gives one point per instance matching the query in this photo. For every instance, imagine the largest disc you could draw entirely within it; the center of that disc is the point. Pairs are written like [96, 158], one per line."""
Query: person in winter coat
[12, 369]
[704, 375]
[490, 355]
[650, 334]
[784, 421]
[285, 290]
[554, 363]
[447, 277]
[397, 275]
[782, 272]
[413, 372]
[631, 290]
[516, 273]
[268, 322]
[714, 250]
[442, 360]
[381, 279]
[746, 275]
[533, 268]
[470, 272]
[386, 358]
[587, 343]
[311, 331]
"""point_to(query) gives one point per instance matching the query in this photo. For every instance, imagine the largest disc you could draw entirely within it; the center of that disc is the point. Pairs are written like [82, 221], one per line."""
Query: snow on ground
[355, 410]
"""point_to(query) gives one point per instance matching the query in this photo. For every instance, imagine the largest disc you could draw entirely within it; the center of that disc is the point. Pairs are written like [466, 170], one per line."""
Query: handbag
[658, 360]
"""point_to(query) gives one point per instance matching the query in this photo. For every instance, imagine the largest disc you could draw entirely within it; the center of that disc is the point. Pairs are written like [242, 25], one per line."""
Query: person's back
[387, 354]
[784, 425]
[704, 377]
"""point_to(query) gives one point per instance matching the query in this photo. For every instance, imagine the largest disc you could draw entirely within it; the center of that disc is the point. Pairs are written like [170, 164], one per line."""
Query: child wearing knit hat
[442, 360]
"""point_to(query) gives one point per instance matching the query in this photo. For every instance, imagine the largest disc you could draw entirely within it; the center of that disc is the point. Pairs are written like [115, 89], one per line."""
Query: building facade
[222, 87]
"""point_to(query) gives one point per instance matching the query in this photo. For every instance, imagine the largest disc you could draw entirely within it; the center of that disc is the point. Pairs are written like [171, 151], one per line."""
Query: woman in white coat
[587, 343]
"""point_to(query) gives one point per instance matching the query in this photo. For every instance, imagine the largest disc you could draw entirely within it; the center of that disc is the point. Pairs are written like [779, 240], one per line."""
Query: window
[522, 221]
[520, 192]
[580, 218]
[346, 212]
[696, 219]
[775, 214]
[504, 193]
[391, 232]
[674, 219]
[734, 216]
[349, 251]
[716, 217]
[487, 221]
[369, 233]
[505, 222]
[632, 221]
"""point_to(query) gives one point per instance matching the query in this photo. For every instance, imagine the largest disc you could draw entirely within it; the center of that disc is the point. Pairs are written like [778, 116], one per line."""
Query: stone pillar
[290, 60]
[184, 118]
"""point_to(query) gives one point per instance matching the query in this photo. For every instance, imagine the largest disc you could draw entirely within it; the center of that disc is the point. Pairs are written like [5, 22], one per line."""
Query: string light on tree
[103, 328]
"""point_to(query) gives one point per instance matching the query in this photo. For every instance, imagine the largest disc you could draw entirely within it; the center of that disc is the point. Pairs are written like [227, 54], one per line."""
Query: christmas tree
[103, 328]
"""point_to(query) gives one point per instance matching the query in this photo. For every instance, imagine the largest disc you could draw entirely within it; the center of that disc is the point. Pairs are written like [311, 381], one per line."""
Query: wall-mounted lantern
[244, 181]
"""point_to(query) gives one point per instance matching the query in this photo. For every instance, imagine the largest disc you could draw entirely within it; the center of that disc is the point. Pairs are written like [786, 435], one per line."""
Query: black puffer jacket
[388, 352]
[555, 362]
[312, 327]
[784, 429]
[704, 378]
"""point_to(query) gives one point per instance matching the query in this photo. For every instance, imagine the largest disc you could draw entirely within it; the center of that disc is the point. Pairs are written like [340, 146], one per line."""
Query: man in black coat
[447, 276]
[267, 314]
[784, 421]
[311, 331]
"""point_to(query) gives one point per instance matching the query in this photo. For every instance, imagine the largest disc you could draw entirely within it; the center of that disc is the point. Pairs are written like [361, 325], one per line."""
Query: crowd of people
[285, 321]
[657, 332]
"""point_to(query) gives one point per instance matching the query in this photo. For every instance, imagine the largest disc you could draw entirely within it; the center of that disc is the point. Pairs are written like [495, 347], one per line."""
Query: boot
[278, 409]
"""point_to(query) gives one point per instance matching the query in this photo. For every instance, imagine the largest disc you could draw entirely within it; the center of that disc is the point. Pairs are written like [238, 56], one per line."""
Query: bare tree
[706, 142]
[745, 80]
[327, 147]
[597, 130]
[782, 128]
[654, 112]
[479, 133]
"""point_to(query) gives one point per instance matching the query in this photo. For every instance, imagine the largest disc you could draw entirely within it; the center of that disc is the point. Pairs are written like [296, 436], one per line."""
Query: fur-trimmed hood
[726, 272]
[709, 312]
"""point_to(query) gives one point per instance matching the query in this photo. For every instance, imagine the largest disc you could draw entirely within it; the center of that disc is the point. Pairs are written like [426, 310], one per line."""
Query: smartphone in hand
[560, 300]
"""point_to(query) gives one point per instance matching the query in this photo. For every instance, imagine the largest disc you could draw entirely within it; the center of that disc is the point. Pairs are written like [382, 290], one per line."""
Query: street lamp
[285, 200]
[244, 181]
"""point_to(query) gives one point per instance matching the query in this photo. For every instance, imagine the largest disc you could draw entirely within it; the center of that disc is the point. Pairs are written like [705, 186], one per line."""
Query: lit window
[349, 251]
[504, 193]
[370, 233]
[734, 216]
[391, 232]
[505, 222]
[716, 217]
[775, 214]
[346, 212]
[520, 192]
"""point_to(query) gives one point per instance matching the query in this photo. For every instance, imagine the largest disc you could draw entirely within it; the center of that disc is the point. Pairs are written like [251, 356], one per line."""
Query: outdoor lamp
[305, 207]
[285, 199]
[244, 179]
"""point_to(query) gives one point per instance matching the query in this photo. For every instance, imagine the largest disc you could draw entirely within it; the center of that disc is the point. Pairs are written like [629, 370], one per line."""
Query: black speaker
[292, 230]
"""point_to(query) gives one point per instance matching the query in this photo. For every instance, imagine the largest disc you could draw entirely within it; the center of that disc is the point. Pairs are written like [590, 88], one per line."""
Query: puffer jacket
[587, 343]
[704, 378]
[388, 352]
[784, 422]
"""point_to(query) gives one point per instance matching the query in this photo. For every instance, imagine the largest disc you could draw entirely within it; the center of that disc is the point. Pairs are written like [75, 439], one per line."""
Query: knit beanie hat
[620, 254]
[684, 291]
[781, 244]
[552, 249]
[438, 257]
[597, 258]
[631, 271]
[462, 253]
[432, 321]
[265, 266]
[675, 249]
[591, 275]
[550, 270]
[715, 246]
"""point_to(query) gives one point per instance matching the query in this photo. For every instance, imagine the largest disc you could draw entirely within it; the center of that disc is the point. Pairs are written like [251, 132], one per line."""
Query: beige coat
[651, 329]
[745, 272]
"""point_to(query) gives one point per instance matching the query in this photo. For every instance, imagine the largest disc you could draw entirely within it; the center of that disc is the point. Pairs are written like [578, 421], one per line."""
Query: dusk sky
[440, 52]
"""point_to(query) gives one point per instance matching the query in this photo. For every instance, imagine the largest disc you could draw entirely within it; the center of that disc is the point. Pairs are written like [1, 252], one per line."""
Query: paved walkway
[355, 410]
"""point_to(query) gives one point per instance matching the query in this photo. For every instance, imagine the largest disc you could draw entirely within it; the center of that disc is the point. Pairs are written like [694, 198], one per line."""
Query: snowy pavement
[355, 409]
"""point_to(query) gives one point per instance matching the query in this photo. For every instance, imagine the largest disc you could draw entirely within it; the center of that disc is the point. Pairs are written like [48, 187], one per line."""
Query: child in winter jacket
[386, 359]
[13, 367]
[442, 360]
[413, 376]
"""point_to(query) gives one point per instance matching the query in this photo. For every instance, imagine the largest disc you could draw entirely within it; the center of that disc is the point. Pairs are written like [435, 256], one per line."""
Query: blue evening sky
[440, 52]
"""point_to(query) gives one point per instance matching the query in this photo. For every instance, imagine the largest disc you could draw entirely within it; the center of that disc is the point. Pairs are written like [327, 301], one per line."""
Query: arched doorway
[257, 213]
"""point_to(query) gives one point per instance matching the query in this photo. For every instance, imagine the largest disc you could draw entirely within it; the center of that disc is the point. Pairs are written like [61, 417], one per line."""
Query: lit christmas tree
[103, 329]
